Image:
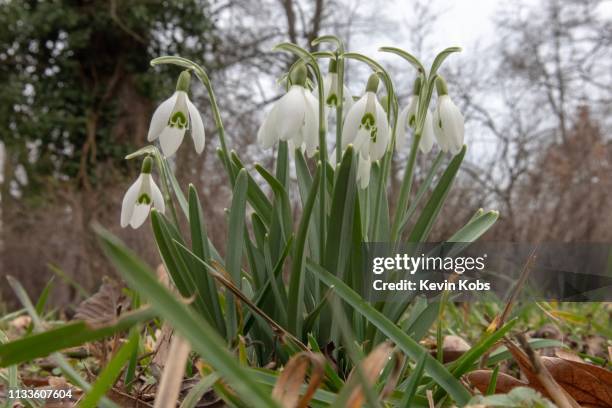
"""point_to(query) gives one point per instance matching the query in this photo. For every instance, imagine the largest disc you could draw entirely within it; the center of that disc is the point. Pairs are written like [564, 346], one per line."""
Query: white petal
[401, 133]
[291, 110]
[310, 130]
[379, 147]
[363, 171]
[352, 121]
[427, 137]
[197, 127]
[160, 117]
[158, 198]
[348, 101]
[141, 212]
[129, 201]
[413, 107]
[170, 140]
[361, 143]
[267, 134]
[439, 132]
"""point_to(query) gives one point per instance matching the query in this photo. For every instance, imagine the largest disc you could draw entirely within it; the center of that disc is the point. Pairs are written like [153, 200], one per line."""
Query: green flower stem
[312, 62]
[402, 202]
[203, 77]
[339, 60]
[340, 103]
[392, 108]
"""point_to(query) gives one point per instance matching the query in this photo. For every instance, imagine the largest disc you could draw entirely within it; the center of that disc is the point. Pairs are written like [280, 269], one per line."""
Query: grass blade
[423, 225]
[109, 375]
[436, 370]
[296, 282]
[204, 340]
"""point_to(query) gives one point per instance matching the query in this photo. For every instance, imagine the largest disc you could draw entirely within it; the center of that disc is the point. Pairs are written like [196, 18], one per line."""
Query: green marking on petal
[332, 100]
[178, 119]
[144, 199]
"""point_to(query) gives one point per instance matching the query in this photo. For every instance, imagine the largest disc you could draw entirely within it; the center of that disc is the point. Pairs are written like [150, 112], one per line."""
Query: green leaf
[341, 215]
[257, 198]
[426, 220]
[66, 336]
[415, 351]
[296, 281]
[109, 375]
[475, 228]
[413, 383]
[235, 243]
[202, 248]
[202, 337]
[197, 391]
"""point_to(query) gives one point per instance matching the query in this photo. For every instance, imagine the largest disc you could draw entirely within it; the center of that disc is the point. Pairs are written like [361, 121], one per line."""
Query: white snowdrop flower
[330, 89]
[293, 118]
[173, 117]
[447, 121]
[407, 120]
[140, 197]
[367, 129]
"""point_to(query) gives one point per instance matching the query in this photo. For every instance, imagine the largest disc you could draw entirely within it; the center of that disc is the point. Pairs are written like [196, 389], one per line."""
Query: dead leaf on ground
[104, 306]
[371, 368]
[288, 386]
[586, 383]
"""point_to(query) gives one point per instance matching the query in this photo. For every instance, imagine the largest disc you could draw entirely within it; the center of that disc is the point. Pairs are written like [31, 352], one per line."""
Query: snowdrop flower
[367, 128]
[173, 117]
[139, 198]
[407, 119]
[293, 118]
[330, 88]
[448, 121]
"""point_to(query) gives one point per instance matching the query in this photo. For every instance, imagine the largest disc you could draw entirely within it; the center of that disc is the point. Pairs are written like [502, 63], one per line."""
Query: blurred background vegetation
[78, 93]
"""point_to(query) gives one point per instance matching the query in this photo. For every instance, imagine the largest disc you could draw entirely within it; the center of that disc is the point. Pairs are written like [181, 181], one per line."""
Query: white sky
[462, 22]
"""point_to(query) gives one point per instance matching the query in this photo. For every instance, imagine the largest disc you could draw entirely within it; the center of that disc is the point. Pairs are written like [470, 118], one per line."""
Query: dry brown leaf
[585, 383]
[104, 306]
[505, 383]
[371, 367]
[287, 388]
[172, 376]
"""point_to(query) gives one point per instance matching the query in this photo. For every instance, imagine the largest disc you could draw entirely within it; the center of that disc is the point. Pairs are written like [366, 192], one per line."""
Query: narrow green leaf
[415, 351]
[66, 336]
[197, 391]
[233, 256]
[426, 220]
[296, 280]
[109, 375]
[201, 246]
[413, 383]
[203, 338]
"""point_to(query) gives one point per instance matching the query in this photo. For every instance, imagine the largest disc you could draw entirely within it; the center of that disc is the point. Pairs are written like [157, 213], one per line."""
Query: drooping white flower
[407, 120]
[140, 197]
[448, 121]
[294, 117]
[172, 119]
[330, 89]
[367, 128]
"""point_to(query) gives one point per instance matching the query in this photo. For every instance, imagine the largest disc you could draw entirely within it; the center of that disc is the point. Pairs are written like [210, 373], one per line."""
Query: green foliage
[76, 82]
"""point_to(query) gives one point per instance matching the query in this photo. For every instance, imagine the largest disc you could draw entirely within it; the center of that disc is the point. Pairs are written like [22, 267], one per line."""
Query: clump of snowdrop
[407, 119]
[140, 197]
[367, 129]
[448, 121]
[294, 117]
[174, 117]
